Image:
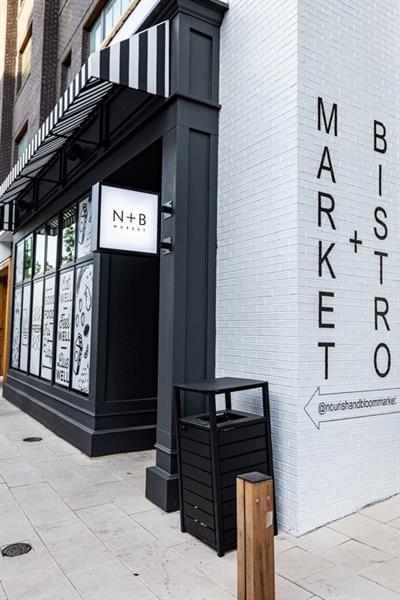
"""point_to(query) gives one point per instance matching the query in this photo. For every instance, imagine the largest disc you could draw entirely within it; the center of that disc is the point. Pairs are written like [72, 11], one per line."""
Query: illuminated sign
[124, 220]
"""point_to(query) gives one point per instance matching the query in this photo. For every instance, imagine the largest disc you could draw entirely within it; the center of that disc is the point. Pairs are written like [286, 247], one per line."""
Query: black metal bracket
[166, 246]
[167, 209]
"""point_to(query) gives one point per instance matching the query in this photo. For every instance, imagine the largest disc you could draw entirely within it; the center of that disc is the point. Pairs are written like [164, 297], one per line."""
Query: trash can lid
[220, 385]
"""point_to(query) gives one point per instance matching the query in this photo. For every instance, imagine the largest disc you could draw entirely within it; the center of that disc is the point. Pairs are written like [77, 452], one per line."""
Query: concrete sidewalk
[96, 537]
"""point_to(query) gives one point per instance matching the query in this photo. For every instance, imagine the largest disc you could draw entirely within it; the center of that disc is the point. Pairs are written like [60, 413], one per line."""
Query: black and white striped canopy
[140, 62]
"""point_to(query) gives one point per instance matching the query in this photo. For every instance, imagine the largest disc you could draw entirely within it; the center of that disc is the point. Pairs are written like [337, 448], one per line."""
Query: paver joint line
[91, 528]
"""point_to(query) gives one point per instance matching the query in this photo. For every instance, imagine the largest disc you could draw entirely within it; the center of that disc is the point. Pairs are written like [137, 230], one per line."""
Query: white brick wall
[257, 316]
[349, 54]
[276, 59]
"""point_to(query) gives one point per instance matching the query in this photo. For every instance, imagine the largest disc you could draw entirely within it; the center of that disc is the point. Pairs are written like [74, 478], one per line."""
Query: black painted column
[188, 274]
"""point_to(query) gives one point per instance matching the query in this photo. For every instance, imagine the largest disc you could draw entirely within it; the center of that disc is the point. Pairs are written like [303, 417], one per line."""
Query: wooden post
[255, 543]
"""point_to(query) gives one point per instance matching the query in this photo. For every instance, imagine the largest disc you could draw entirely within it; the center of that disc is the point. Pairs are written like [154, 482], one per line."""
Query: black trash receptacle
[213, 448]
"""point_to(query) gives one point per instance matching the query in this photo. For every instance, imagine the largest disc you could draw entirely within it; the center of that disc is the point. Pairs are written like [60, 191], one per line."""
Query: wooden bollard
[255, 537]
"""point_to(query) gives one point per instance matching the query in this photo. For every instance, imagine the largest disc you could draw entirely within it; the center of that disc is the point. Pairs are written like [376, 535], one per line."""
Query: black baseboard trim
[162, 489]
[90, 441]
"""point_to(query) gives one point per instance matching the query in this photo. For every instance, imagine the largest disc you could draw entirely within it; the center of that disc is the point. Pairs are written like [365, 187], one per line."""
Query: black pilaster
[189, 181]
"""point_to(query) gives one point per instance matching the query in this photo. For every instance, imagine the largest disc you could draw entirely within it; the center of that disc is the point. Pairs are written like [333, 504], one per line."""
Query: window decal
[48, 327]
[16, 328]
[64, 325]
[82, 329]
[36, 327]
[25, 328]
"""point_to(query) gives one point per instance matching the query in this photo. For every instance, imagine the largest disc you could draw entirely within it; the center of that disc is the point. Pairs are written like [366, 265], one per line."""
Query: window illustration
[82, 329]
[84, 227]
[48, 327]
[64, 327]
[16, 338]
[36, 327]
[52, 314]
[26, 304]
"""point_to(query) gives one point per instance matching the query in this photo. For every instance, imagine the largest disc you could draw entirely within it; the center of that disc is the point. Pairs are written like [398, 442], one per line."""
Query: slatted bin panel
[241, 446]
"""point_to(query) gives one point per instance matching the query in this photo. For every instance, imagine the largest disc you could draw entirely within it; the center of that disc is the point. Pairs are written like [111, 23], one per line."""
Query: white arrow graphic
[340, 406]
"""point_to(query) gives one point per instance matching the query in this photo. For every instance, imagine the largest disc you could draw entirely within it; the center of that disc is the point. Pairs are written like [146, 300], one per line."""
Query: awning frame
[140, 62]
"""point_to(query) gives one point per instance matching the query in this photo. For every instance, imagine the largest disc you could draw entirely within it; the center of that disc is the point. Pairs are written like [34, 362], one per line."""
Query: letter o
[389, 360]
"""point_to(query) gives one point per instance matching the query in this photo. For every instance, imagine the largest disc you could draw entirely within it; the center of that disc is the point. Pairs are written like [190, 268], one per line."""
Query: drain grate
[32, 439]
[16, 549]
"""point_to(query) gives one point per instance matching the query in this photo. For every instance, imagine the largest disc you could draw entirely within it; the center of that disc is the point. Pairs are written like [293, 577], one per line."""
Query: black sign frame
[96, 221]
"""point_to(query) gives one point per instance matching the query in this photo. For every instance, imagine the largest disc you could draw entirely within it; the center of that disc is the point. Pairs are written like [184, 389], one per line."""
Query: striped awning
[140, 62]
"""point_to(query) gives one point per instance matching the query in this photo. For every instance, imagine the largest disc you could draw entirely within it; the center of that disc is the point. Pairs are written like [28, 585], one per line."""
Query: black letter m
[322, 117]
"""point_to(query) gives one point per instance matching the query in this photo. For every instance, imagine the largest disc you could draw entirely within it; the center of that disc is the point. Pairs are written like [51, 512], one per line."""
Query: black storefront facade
[98, 339]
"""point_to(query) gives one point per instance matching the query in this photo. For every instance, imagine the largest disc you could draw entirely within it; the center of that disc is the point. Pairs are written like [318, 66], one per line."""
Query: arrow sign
[340, 406]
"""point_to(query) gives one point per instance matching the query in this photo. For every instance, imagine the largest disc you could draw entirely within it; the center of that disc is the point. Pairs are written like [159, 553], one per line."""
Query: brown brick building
[43, 44]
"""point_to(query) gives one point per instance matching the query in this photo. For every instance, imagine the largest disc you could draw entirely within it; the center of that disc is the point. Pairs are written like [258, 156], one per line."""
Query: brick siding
[277, 57]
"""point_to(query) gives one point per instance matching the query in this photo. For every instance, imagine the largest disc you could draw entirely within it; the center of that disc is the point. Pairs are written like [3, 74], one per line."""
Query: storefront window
[84, 227]
[68, 235]
[19, 270]
[64, 327]
[52, 239]
[48, 327]
[36, 327]
[82, 328]
[51, 339]
[40, 247]
[26, 305]
[28, 258]
[16, 328]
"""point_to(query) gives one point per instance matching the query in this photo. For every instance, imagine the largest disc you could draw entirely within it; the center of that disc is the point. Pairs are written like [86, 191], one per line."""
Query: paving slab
[108, 582]
[86, 500]
[126, 496]
[224, 573]
[369, 531]
[18, 471]
[384, 511]
[356, 556]
[339, 583]
[36, 576]
[296, 563]
[286, 590]
[173, 579]
[15, 525]
[107, 521]
[96, 537]
[164, 526]
[41, 504]
[386, 574]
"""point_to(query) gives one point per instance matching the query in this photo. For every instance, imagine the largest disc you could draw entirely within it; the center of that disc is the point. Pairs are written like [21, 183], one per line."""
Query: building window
[21, 141]
[106, 22]
[52, 314]
[24, 60]
[66, 72]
